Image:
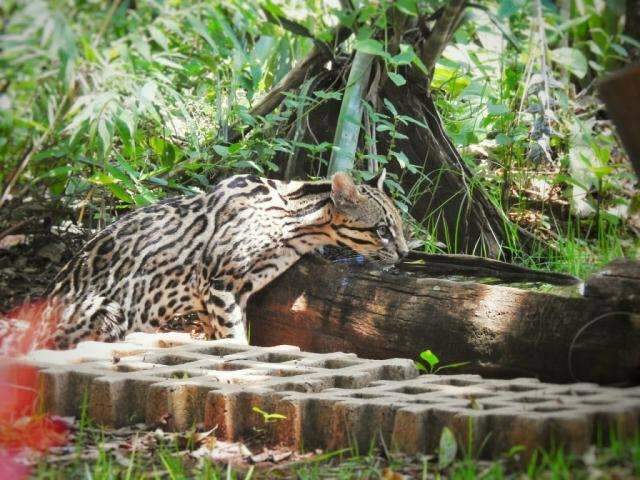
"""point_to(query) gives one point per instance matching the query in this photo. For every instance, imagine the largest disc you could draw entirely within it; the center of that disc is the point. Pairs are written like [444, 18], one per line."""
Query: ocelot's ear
[378, 181]
[344, 192]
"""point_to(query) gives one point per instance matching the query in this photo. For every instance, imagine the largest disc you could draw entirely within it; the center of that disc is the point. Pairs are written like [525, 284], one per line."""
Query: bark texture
[501, 331]
[444, 193]
[448, 198]
[618, 283]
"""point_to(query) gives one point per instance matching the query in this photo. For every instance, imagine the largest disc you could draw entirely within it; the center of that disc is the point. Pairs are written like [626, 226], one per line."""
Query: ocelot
[210, 252]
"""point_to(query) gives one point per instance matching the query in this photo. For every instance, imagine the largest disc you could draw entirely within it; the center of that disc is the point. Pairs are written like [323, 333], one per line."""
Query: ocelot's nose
[403, 253]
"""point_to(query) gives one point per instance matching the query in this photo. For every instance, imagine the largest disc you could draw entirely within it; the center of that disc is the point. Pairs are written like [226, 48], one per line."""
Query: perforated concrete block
[328, 401]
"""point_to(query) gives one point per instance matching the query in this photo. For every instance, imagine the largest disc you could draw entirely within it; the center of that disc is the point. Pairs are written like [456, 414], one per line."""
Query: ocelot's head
[366, 220]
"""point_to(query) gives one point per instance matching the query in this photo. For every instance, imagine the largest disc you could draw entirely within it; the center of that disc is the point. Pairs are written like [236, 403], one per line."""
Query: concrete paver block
[329, 401]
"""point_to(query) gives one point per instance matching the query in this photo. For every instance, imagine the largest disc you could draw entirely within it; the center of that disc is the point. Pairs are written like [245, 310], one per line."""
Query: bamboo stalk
[348, 127]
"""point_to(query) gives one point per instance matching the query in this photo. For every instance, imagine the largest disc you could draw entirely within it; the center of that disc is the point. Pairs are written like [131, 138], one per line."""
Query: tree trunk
[445, 196]
[501, 331]
[616, 89]
[447, 189]
[632, 25]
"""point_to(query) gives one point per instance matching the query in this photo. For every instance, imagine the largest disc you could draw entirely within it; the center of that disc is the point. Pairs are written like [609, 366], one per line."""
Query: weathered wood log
[502, 331]
[617, 283]
[437, 265]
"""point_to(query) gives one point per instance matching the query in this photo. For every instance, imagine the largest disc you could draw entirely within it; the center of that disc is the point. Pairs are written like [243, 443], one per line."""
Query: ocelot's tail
[60, 324]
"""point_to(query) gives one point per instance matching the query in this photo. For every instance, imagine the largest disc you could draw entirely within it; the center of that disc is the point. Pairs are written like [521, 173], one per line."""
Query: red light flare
[23, 427]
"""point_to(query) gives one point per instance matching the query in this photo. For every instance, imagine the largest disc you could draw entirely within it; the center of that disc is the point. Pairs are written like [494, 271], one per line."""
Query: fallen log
[435, 265]
[501, 331]
[618, 283]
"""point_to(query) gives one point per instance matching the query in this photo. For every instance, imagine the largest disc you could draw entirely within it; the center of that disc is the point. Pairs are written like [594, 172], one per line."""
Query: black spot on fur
[246, 288]
[259, 190]
[238, 182]
[106, 246]
[217, 301]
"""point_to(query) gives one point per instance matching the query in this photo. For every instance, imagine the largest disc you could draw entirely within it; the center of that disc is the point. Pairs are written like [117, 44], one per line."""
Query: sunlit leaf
[430, 357]
[159, 37]
[396, 78]
[221, 150]
[420, 366]
[390, 106]
[199, 27]
[57, 172]
[405, 57]
[402, 159]
[148, 91]
[570, 58]
[447, 448]
[371, 46]
[103, 179]
[120, 193]
[409, 7]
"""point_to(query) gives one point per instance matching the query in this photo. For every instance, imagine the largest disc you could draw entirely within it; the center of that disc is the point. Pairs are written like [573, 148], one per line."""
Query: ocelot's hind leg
[224, 316]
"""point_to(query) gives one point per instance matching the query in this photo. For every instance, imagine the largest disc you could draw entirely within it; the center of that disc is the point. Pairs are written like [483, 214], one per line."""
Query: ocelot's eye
[384, 232]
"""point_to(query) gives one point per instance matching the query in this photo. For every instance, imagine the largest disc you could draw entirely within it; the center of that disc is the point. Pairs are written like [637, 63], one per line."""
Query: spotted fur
[209, 253]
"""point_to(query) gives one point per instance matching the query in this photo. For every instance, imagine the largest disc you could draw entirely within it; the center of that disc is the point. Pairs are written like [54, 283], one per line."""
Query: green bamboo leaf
[120, 193]
[402, 159]
[103, 179]
[122, 177]
[56, 172]
[167, 63]
[221, 150]
[228, 31]
[126, 166]
[105, 134]
[249, 164]
[158, 37]
[201, 30]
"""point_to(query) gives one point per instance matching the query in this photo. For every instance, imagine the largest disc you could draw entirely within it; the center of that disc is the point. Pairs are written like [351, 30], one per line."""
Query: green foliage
[136, 100]
[431, 358]
[447, 448]
[118, 104]
[524, 125]
[269, 417]
[620, 458]
[429, 362]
